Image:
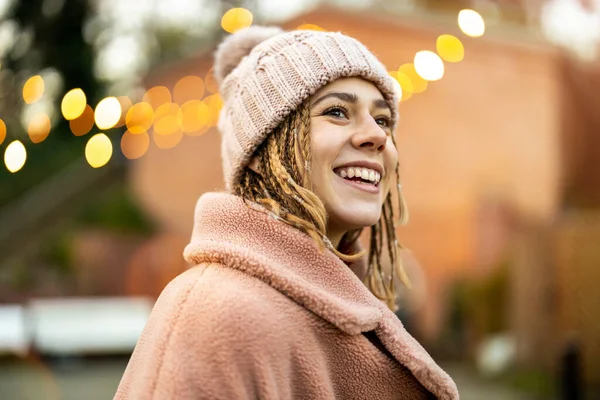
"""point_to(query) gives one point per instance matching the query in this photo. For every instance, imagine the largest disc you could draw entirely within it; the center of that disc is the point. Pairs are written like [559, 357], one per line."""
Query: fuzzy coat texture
[265, 314]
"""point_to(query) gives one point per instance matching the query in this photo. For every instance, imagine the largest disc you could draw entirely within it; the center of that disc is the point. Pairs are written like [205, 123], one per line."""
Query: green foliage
[478, 308]
[57, 43]
[18, 276]
[58, 253]
[115, 209]
[43, 160]
[535, 382]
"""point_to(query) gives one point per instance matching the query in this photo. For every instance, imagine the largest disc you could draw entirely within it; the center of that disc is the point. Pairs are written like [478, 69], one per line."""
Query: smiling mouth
[366, 176]
[363, 179]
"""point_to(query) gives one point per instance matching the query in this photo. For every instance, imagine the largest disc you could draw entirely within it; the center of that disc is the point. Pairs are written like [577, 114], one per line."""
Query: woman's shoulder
[219, 295]
[216, 281]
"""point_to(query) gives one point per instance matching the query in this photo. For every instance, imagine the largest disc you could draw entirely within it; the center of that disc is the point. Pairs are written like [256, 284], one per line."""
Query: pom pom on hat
[238, 45]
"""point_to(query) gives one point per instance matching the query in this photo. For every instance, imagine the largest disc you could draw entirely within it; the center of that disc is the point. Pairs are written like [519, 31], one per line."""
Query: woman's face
[354, 158]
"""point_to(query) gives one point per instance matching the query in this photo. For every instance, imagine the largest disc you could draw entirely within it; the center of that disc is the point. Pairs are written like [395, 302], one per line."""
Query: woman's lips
[365, 187]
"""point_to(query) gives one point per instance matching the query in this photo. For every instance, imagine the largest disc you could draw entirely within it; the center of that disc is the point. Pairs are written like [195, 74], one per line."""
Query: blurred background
[107, 130]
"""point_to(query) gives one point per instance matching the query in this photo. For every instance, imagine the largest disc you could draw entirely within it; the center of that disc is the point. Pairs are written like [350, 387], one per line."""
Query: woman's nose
[370, 135]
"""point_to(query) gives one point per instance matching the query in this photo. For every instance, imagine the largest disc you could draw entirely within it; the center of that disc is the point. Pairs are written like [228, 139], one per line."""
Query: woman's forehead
[358, 86]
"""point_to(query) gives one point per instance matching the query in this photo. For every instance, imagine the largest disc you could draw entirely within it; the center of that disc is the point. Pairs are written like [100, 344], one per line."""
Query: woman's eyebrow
[381, 103]
[344, 96]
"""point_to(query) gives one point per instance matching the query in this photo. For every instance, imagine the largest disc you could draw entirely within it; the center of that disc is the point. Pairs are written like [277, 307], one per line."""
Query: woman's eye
[383, 121]
[337, 112]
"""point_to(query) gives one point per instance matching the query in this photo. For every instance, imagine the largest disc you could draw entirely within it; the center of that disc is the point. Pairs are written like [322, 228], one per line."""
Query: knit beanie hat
[265, 73]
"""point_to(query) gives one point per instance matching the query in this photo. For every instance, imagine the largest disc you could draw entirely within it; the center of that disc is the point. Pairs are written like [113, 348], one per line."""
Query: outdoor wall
[577, 296]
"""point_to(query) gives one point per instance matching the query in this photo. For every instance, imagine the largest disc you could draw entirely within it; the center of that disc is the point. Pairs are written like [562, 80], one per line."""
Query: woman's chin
[355, 219]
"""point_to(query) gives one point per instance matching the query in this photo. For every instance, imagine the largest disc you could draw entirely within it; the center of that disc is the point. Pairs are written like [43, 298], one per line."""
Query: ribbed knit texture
[277, 76]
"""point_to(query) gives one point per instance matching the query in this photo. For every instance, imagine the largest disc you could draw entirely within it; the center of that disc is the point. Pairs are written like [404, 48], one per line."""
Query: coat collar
[249, 239]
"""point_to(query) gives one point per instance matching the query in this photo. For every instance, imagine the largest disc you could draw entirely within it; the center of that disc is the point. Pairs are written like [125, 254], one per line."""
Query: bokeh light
[429, 65]
[167, 119]
[195, 117]
[309, 27]
[73, 104]
[125, 106]
[450, 48]
[2, 131]
[98, 150]
[39, 127]
[214, 103]
[139, 118]
[471, 23]
[188, 88]
[15, 156]
[134, 145]
[397, 86]
[405, 84]
[84, 123]
[419, 84]
[33, 89]
[157, 96]
[108, 112]
[167, 141]
[236, 19]
[210, 82]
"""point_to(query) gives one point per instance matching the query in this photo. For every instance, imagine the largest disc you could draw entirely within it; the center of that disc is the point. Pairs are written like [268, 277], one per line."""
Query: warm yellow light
[188, 88]
[2, 131]
[309, 27]
[167, 119]
[167, 141]
[108, 112]
[450, 48]
[195, 117]
[429, 65]
[125, 106]
[405, 84]
[134, 145]
[84, 123]
[73, 104]
[139, 118]
[406, 96]
[471, 23]
[39, 128]
[236, 19]
[418, 84]
[157, 96]
[33, 89]
[98, 150]
[214, 103]
[396, 84]
[15, 156]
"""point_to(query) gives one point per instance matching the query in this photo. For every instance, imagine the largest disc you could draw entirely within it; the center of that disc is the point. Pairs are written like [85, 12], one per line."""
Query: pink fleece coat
[265, 315]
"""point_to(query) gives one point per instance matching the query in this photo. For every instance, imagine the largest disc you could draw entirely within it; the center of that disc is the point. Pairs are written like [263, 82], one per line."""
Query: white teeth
[364, 173]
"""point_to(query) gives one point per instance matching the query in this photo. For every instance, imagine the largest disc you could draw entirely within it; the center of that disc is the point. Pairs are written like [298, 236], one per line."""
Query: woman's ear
[255, 165]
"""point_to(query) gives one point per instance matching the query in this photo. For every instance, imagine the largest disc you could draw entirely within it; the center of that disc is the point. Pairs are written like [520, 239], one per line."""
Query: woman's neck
[335, 237]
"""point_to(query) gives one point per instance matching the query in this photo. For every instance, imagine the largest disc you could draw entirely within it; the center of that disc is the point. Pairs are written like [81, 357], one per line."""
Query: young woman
[283, 303]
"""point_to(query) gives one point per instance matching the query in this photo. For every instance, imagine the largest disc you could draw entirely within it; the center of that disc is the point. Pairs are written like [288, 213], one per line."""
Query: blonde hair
[283, 187]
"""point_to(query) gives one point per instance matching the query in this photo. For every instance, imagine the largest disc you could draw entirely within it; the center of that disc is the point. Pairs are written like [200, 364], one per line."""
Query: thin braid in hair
[283, 187]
